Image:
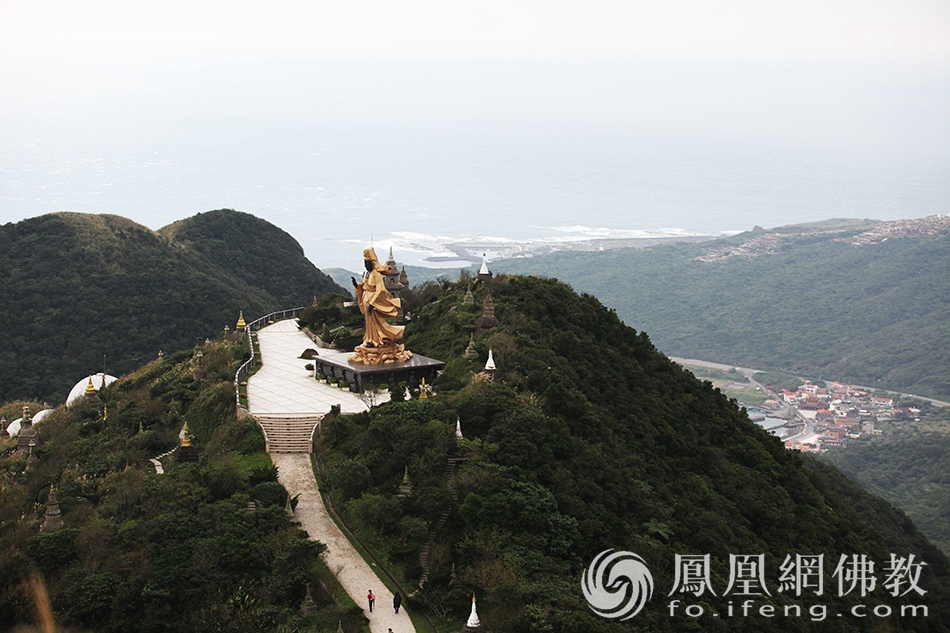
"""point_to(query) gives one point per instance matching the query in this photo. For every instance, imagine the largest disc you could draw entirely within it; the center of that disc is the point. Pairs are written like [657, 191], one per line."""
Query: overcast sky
[158, 110]
[871, 30]
[66, 57]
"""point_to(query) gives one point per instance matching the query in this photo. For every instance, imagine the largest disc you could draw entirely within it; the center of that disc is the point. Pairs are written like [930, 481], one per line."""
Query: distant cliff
[81, 292]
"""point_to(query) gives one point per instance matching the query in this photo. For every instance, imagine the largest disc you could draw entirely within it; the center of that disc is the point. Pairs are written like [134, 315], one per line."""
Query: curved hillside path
[283, 387]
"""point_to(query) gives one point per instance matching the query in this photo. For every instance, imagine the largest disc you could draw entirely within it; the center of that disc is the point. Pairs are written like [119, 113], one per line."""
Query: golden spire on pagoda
[90, 390]
[185, 438]
[423, 395]
[240, 323]
[314, 304]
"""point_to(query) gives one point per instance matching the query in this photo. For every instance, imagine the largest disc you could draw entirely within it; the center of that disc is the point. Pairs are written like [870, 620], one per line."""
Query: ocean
[519, 156]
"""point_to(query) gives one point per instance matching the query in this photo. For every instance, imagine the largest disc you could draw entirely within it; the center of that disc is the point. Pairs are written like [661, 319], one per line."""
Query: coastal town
[878, 232]
[826, 418]
[812, 417]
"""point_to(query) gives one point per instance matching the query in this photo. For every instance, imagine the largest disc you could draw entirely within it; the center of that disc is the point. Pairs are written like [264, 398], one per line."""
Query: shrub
[267, 472]
[253, 442]
[53, 549]
[223, 477]
[349, 478]
[270, 493]
[86, 598]
[399, 393]
[375, 512]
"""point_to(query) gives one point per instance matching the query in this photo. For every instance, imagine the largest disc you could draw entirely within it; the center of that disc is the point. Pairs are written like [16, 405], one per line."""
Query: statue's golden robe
[377, 304]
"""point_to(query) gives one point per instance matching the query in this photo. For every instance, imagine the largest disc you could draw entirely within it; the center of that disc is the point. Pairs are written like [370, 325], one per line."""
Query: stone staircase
[430, 538]
[288, 434]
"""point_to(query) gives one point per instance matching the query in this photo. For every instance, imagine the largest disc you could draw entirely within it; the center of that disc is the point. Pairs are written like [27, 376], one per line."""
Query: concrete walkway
[347, 565]
[282, 387]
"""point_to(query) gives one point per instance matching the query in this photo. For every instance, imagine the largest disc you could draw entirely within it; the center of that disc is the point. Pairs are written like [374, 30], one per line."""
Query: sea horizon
[416, 158]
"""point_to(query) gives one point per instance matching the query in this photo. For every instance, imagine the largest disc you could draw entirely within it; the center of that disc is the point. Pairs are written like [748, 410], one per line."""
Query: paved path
[283, 387]
[347, 565]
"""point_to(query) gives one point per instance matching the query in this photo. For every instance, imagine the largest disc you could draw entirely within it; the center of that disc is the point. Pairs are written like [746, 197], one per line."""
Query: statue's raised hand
[353, 279]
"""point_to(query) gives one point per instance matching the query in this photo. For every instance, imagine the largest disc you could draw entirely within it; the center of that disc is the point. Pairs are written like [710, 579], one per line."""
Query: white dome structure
[14, 428]
[99, 381]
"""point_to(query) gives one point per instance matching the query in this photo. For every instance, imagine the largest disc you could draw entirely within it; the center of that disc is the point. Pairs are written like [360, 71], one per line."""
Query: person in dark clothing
[397, 600]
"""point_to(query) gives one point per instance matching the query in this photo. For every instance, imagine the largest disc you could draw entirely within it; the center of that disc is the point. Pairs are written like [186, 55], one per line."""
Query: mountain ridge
[83, 293]
[590, 439]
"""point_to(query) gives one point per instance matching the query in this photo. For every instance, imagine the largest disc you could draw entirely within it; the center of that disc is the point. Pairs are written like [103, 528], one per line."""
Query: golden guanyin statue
[377, 304]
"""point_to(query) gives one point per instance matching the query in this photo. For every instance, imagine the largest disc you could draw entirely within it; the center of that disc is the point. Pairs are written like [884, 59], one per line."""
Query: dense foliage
[594, 440]
[82, 293]
[327, 317]
[255, 251]
[141, 551]
[910, 467]
[814, 305]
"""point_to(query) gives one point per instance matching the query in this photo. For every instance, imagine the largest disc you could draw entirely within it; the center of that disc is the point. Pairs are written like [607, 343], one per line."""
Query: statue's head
[370, 261]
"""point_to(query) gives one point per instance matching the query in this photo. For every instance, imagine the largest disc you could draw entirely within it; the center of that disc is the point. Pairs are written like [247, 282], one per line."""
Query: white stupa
[490, 364]
[483, 273]
[473, 623]
[490, 370]
[98, 381]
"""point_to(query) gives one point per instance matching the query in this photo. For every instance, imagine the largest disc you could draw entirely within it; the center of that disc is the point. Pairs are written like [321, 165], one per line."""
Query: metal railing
[253, 326]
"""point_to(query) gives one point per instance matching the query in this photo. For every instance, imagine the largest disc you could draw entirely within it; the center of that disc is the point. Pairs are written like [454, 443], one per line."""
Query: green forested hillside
[141, 551]
[592, 440]
[871, 311]
[910, 467]
[253, 250]
[82, 293]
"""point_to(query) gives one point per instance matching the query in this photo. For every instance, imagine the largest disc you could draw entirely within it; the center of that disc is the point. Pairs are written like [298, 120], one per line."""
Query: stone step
[285, 434]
